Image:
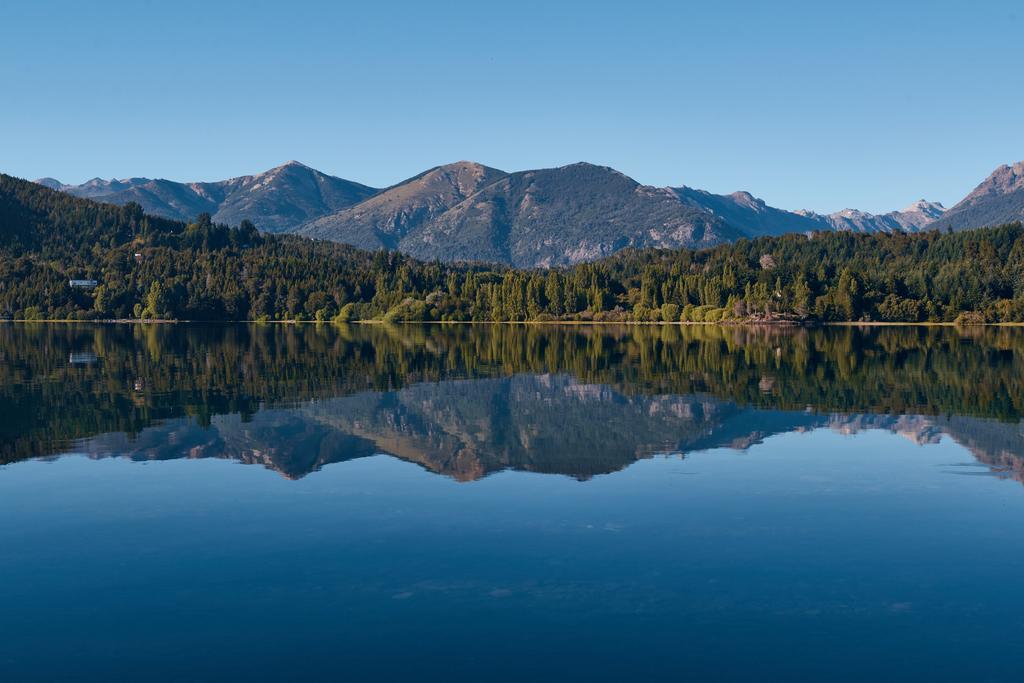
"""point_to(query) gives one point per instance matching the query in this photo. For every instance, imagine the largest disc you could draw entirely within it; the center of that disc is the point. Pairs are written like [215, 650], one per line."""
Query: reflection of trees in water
[149, 373]
[536, 423]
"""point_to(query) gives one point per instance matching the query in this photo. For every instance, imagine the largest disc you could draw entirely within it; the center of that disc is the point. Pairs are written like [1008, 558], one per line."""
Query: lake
[511, 502]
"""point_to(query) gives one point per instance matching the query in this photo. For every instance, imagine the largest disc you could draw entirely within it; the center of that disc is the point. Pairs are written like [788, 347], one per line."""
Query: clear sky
[816, 105]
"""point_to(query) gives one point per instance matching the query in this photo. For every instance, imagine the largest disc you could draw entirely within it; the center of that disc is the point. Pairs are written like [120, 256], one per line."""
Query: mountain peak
[588, 170]
[464, 166]
[590, 166]
[463, 163]
[744, 198]
[51, 183]
[926, 207]
[288, 166]
[1004, 179]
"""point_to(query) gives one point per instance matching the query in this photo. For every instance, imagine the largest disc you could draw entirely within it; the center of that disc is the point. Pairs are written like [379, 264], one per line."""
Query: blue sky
[808, 105]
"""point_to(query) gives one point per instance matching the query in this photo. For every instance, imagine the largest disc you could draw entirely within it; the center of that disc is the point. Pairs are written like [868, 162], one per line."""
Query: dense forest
[152, 268]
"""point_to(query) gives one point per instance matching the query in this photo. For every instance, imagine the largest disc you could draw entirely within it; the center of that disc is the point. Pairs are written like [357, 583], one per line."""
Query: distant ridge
[276, 200]
[750, 214]
[918, 216]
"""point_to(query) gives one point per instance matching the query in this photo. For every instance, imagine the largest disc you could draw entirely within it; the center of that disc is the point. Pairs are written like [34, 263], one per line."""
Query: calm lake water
[487, 503]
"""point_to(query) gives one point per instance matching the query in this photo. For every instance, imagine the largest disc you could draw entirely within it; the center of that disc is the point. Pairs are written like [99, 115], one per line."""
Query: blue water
[509, 503]
[812, 556]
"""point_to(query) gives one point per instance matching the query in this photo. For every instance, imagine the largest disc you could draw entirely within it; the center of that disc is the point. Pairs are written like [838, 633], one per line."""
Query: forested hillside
[155, 268]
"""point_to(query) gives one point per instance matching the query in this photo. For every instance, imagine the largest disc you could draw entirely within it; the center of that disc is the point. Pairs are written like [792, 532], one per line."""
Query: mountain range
[535, 218]
[277, 200]
[465, 211]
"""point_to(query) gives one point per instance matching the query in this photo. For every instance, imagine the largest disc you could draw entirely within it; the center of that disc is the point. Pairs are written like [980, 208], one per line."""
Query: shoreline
[588, 323]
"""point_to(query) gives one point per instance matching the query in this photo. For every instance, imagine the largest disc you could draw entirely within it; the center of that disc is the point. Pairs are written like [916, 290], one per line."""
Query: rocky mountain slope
[565, 215]
[385, 219]
[998, 199]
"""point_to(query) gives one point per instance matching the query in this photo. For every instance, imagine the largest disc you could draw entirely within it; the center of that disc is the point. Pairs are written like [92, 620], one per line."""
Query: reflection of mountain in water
[537, 423]
[469, 400]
